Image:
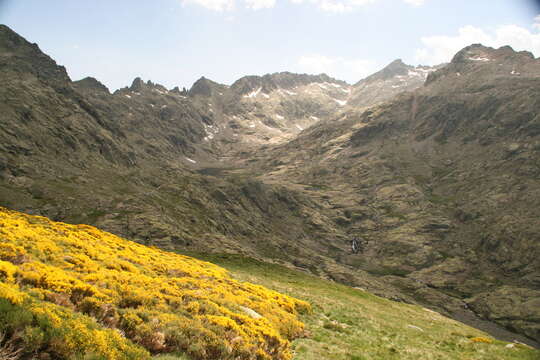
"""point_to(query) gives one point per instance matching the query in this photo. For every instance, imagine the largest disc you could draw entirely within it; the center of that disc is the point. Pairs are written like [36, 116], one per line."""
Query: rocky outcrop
[282, 80]
[515, 307]
[206, 87]
[397, 77]
[90, 84]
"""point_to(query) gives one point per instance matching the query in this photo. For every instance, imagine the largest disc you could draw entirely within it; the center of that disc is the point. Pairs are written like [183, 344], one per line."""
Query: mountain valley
[435, 168]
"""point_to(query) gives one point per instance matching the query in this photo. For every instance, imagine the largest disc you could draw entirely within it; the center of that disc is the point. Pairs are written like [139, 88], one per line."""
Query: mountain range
[435, 168]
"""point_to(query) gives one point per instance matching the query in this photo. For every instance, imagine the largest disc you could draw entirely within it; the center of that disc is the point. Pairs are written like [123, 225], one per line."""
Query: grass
[349, 324]
[171, 357]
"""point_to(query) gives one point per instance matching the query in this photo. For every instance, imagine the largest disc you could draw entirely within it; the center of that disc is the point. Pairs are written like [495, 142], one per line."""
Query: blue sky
[174, 42]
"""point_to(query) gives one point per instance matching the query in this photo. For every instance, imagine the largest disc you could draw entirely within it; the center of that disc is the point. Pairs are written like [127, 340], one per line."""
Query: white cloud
[260, 4]
[342, 6]
[336, 6]
[347, 69]
[439, 49]
[229, 5]
[415, 2]
[216, 5]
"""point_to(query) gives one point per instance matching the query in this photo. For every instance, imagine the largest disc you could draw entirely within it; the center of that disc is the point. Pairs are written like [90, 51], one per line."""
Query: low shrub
[90, 292]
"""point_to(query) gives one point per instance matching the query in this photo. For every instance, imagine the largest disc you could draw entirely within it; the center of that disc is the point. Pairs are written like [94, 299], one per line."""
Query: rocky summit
[434, 170]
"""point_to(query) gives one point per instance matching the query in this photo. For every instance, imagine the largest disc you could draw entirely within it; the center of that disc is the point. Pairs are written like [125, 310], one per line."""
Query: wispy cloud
[333, 6]
[215, 5]
[415, 2]
[439, 49]
[260, 4]
[343, 6]
[229, 5]
[349, 69]
[336, 6]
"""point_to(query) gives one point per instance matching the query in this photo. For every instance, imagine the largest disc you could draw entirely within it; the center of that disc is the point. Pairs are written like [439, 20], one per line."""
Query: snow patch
[190, 160]
[129, 97]
[253, 93]
[314, 117]
[279, 117]
[420, 72]
[322, 86]
[514, 72]
[414, 73]
[210, 130]
[163, 106]
[251, 125]
[265, 95]
[479, 59]
[299, 127]
[290, 92]
[396, 86]
[340, 102]
[425, 71]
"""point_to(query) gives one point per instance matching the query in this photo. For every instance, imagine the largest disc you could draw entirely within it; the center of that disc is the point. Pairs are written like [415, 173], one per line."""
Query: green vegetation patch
[349, 323]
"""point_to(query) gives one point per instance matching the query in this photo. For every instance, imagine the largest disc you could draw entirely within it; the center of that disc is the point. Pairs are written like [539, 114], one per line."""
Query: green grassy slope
[351, 324]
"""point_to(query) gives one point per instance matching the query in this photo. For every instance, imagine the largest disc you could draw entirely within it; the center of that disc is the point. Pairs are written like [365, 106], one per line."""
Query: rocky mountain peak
[22, 56]
[393, 79]
[486, 64]
[205, 87]
[282, 80]
[139, 85]
[9, 39]
[395, 68]
[92, 84]
[481, 53]
[177, 91]
[396, 65]
[288, 80]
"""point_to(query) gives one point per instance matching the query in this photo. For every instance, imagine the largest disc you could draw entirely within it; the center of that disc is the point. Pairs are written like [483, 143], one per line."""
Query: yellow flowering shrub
[11, 293]
[83, 280]
[12, 253]
[480, 339]
[7, 271]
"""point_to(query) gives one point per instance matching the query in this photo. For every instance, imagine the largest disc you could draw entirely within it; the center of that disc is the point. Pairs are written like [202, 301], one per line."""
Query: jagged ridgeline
[73, 290]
